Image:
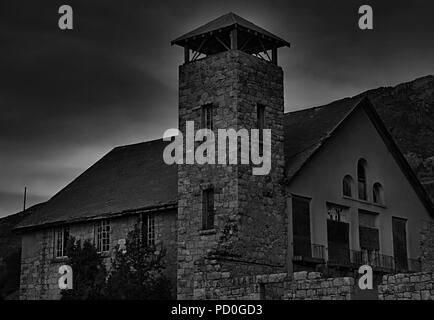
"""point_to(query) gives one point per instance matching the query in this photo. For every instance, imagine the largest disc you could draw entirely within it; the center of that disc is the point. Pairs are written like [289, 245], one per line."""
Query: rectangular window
[148, 229]
[207, 117]
[260, 115]
[103, 235]
[208, 209]
[61, 236]
[369, 237]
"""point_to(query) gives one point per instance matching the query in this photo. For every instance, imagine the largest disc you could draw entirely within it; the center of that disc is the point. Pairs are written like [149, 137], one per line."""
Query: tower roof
[252, 39]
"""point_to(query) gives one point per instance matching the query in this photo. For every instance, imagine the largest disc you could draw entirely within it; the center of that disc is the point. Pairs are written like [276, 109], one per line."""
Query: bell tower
[230, 221]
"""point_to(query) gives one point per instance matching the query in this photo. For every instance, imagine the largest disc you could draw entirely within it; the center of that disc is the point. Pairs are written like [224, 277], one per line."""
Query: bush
[137, 272]
[89, 272]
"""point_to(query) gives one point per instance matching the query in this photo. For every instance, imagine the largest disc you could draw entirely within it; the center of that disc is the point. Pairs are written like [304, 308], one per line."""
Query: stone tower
[230, 222]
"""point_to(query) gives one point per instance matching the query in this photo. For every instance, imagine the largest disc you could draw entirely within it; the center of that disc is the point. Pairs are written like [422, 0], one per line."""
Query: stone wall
[249, 235]
[310, 286]
[412, 286]
[39, 267]
[303, 286]
[427, 246]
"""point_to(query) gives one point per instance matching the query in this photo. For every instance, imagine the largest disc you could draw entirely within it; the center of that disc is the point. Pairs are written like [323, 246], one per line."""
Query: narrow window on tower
[208, 209]
[260, 118]
[207, 116]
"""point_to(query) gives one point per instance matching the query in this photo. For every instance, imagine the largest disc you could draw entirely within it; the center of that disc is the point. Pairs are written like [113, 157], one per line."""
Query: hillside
[408, 112]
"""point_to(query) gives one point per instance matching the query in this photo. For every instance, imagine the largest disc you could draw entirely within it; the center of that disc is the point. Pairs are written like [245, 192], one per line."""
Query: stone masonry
[249, 235]
[413, 286]
[427, 247]
[302, 286]
[39, 267]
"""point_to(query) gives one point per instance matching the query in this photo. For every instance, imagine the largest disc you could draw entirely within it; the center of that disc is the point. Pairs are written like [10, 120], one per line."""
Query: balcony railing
[353, 258]
[308, 252]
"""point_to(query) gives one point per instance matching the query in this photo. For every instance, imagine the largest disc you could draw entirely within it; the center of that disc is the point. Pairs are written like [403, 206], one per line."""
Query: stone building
[339, 193]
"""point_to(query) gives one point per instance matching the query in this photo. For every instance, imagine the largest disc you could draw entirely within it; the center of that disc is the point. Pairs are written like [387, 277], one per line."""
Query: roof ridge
[137, 143]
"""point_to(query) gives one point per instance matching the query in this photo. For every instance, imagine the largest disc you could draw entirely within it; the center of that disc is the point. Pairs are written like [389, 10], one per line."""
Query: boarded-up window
[301, 226]
[399, 231]
[208, 209]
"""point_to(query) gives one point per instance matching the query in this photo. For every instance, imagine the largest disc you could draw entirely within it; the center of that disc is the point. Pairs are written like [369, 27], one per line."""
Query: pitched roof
[313, 127]
[128, 178]
[307, 129]
[134, 177]
[227, 21]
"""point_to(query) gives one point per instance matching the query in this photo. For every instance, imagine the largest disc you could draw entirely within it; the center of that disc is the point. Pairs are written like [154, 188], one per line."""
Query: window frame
[349, 182]
[378, 193]
[64, 236]
[148, 229]
[103, 235]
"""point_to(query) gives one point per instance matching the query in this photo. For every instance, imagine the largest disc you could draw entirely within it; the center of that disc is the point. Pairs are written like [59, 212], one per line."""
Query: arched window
[347, 186]
[361, 179]
[377, 193]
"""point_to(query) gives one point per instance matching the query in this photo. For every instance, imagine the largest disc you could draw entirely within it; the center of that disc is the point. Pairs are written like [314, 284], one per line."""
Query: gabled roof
[228, 21]
[134, 178]
[308, 130]
[127, 179]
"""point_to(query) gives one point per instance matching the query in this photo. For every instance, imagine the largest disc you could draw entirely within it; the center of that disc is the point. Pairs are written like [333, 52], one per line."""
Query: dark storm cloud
[68, 97]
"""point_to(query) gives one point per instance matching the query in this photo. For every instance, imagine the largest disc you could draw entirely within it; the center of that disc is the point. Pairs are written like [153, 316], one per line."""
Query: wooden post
[274, 55]
[186, 54]
[234, 39]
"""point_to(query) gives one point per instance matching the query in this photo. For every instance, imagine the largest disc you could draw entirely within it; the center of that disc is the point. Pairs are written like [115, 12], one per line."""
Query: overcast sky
[68, 97]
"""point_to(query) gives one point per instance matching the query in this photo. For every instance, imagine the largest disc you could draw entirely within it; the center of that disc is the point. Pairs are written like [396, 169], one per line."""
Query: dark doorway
[338, 242]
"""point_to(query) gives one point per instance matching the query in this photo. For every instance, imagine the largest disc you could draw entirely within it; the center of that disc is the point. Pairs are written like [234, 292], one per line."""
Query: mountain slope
[408, 112]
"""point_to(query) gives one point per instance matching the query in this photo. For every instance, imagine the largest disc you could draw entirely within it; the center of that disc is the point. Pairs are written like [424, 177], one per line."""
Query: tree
[137, 272]
[89, 272]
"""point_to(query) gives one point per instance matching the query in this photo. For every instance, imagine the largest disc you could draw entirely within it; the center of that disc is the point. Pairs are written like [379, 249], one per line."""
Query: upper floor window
[347, 186]
[207, 122]
[260, 116]
[148, 229]
[377, 193]
[361, 179]
[103, 235]
[208, 209]
[61, 236]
